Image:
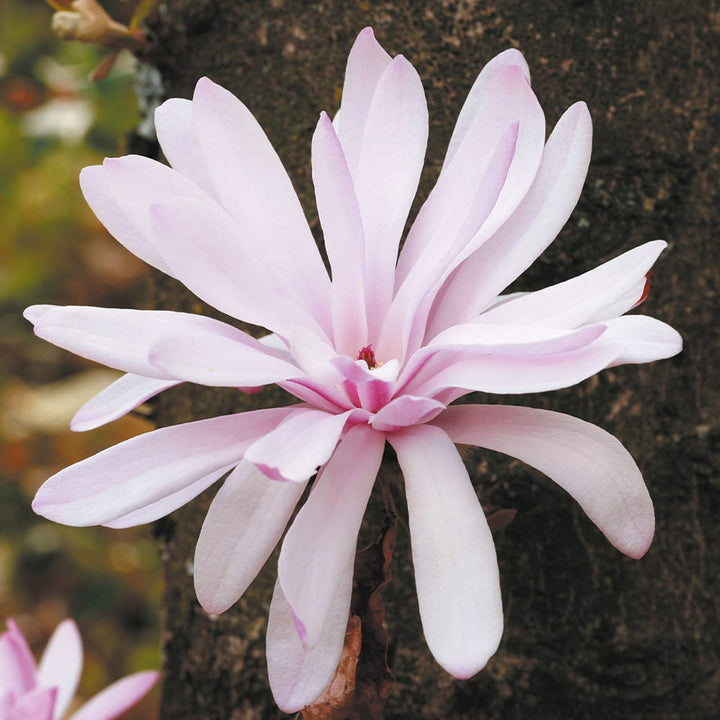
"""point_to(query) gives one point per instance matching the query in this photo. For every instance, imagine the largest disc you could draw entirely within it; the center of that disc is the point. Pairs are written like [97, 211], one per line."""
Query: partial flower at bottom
[375, 352]
[29, 691]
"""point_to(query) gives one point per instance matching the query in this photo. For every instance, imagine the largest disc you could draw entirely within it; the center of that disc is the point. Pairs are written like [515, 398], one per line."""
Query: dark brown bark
[589, 633]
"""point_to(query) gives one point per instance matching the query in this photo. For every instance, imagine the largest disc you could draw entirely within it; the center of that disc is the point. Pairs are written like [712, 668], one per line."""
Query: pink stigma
[368, 356]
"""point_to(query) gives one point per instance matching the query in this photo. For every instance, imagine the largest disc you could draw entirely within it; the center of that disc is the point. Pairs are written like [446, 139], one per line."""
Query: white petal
[456, 570]
[61, 665]
[244, 524]
[583, 459]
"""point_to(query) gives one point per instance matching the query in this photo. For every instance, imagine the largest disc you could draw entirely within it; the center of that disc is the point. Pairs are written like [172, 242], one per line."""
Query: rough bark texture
[589, 633]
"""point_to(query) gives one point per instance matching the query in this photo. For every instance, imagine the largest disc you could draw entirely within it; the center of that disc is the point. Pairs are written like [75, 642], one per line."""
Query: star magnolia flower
[43, 692]
[375, 354]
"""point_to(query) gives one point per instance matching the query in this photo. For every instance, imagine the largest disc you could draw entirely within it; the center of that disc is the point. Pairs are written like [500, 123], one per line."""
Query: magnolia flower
[376, 352]
[44, 692]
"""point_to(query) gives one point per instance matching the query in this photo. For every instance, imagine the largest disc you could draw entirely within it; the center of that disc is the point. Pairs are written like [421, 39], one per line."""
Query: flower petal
[319, 548]
[210, 253]
[299, 445]
[245, 522]
[117, 399]
[61, 665]
[37, 704]
[456, 570]
[220, 359]
[176, 135]
[298, 674]
[121, 191]
[255, 189]
[115, 699]
[508, 370]
[122, 338]
[531, 228]
[160, 508]
[149, 467]
[17, 664]
[406, 410]
[605, 292]
[645, 339]
[343, 235]
[583, 459]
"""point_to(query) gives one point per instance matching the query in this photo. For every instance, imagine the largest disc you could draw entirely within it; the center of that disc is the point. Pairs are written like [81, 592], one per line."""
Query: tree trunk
[589, 633]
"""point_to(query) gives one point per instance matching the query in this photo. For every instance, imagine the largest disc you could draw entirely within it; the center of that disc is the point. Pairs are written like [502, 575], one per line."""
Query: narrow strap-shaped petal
[299, 445]
[245, 522]
[511, 370]
[456, 570]
[366, 64]
[61, 665]
[406, 410]
[320, 545]
[122, 338]
[37, 704]
[644, 339]
[587, 462]
[386, 178]
[171, 502]
[255, 189]
[527, 233]
[604, 292]
[220, 360]
[214, 257]
[115, 699]
[121, 191]
[299, 674]
[117, 399]
[344, 237]
[149, 467]
[478, 93]
[176, 135]
[17, 664]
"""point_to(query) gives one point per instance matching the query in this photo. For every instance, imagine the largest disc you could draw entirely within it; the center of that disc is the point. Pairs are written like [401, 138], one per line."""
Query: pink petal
[38, 704]
[456, 570]
[299, 445]
[532, 227]
[115, 699]
[343, 235]
[244, 524]
[319, 548]
[117, 399]
[160, 508]
[176, 135]
[255, 189]
[214, 257]
[149, 467]
[645, 339]
[478, 95]
[298, 674]
[504, 370]
[121, 191]
[220, 359]
[387, 174]
[366, 64]
[605, 292]
[61, 665]
[17, 664]
[584, 460]
[122, 338]
[405, 410]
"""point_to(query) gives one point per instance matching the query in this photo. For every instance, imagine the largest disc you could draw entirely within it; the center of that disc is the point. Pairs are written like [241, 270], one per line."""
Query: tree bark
[589, 633]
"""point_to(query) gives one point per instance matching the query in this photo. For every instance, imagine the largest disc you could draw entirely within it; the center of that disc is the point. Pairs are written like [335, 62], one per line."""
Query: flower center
[367, 354]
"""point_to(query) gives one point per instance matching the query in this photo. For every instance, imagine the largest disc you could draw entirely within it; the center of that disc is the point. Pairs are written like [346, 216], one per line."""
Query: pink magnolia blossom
[43, 692]
[375, 352]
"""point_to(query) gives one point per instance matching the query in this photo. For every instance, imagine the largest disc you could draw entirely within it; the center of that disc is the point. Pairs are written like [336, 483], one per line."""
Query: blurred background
[53, 122]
